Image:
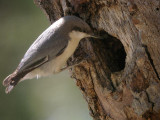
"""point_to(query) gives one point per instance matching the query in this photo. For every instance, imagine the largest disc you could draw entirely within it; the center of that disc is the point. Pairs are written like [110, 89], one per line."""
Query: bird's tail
[10, 81]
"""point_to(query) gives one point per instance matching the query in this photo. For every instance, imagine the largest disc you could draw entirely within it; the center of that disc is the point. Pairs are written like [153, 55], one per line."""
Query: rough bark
[120, 79]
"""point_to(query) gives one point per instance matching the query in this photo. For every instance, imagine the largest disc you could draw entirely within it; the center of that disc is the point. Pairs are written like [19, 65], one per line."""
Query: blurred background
[52, 98]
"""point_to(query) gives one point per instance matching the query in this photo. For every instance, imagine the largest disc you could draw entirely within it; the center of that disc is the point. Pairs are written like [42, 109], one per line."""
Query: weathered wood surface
[120, 79]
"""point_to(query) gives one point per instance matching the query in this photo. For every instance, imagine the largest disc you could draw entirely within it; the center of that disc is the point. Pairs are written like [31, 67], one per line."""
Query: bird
[50, 51]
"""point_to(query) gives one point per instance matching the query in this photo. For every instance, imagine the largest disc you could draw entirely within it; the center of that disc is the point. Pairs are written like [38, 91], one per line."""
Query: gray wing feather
[49, 43]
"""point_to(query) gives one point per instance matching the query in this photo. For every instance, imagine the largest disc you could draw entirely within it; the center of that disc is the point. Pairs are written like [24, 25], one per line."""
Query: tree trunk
[119, 75]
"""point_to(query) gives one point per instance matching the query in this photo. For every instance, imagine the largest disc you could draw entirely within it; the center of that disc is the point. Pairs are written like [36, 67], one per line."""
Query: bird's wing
[48, 44]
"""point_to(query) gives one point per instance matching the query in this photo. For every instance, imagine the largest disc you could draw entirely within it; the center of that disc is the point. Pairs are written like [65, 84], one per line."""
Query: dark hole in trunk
[115, 54]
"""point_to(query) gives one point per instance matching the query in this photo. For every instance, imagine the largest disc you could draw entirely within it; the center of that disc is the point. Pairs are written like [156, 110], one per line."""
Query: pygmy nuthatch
[50, 51]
